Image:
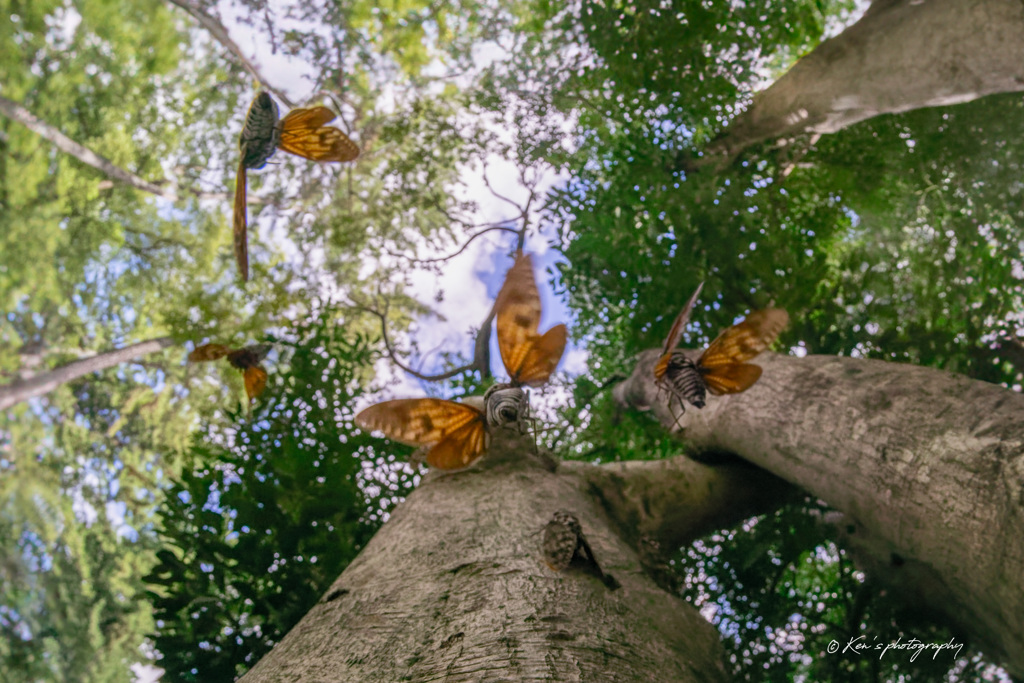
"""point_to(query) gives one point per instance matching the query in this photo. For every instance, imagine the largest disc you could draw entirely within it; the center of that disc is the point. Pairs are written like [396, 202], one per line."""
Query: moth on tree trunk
[456, 586]
[924, 465]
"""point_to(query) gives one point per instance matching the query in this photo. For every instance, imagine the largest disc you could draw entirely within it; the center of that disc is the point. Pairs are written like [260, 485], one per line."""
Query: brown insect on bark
[564, 545]
[723, 367]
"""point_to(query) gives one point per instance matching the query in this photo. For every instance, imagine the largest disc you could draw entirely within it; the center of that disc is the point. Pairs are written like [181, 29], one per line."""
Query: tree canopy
[150, 514]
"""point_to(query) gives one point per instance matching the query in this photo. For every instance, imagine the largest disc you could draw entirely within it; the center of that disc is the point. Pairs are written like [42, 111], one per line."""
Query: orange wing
[418, 421]
[541, 357]
[742, 342]
[208, 352]
[675, 333]
[529, 357]
[731, 379]
[460, 448]
[240, 225]
[255, 378]
[304, 134]
[724, 365]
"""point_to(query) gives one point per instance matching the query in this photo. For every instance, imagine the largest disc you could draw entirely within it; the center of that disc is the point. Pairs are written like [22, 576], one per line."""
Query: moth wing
[240, 224]
[460, 448]
[208, 352]
[517, 312]
[304, 134]
[745, 340]
[731, 379]
[307, 118]
[529, 358]
[680, 323]
[255, 378]
[540, 358]
[662, 365]
[417, 421]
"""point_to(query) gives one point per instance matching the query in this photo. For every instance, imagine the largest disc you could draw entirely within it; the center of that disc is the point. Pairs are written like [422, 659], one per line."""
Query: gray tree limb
[901, 55]
[927, 468]
[45, 382]
[18, 113]
[674, 502]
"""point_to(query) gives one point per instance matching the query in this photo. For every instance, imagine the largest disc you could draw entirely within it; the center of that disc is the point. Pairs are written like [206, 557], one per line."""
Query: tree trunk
[925, 465]
[455, 587]
[927, 468]
[902, 55]
[45, 382]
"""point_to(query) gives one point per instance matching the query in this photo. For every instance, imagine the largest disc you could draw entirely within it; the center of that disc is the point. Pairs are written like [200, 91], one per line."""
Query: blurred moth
[246, 359]
[301, 132]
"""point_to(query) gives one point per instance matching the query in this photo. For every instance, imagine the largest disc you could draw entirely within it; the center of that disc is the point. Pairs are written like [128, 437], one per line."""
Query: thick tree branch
[926, 466]
[45, 382]
[901, 55]
[220, 34]
[677, 501]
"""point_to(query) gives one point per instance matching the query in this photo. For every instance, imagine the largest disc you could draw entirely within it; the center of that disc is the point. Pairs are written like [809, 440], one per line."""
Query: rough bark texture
[672, 503]
[902, 55]
[454, 588]
[927, 467]
[45, 382]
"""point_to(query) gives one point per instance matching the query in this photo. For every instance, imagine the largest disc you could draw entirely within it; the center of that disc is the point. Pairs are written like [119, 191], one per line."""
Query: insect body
[260, 133]
[301, 132]
[723, 367]
[563, 545]
[562, 540]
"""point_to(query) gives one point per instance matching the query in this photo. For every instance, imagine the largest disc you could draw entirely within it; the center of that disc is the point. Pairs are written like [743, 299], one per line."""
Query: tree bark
[902, 55]
[454, 586]
[927, 468]
[45, 382]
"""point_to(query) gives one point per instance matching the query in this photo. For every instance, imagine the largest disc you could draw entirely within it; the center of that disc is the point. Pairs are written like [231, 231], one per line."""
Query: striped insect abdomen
[683, 379]
[260, 133]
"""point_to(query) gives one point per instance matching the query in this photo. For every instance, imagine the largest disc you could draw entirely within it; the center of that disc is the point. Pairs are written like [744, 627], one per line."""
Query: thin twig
[394, 356]
[496, 193]
[453, 255]
[220, 34]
